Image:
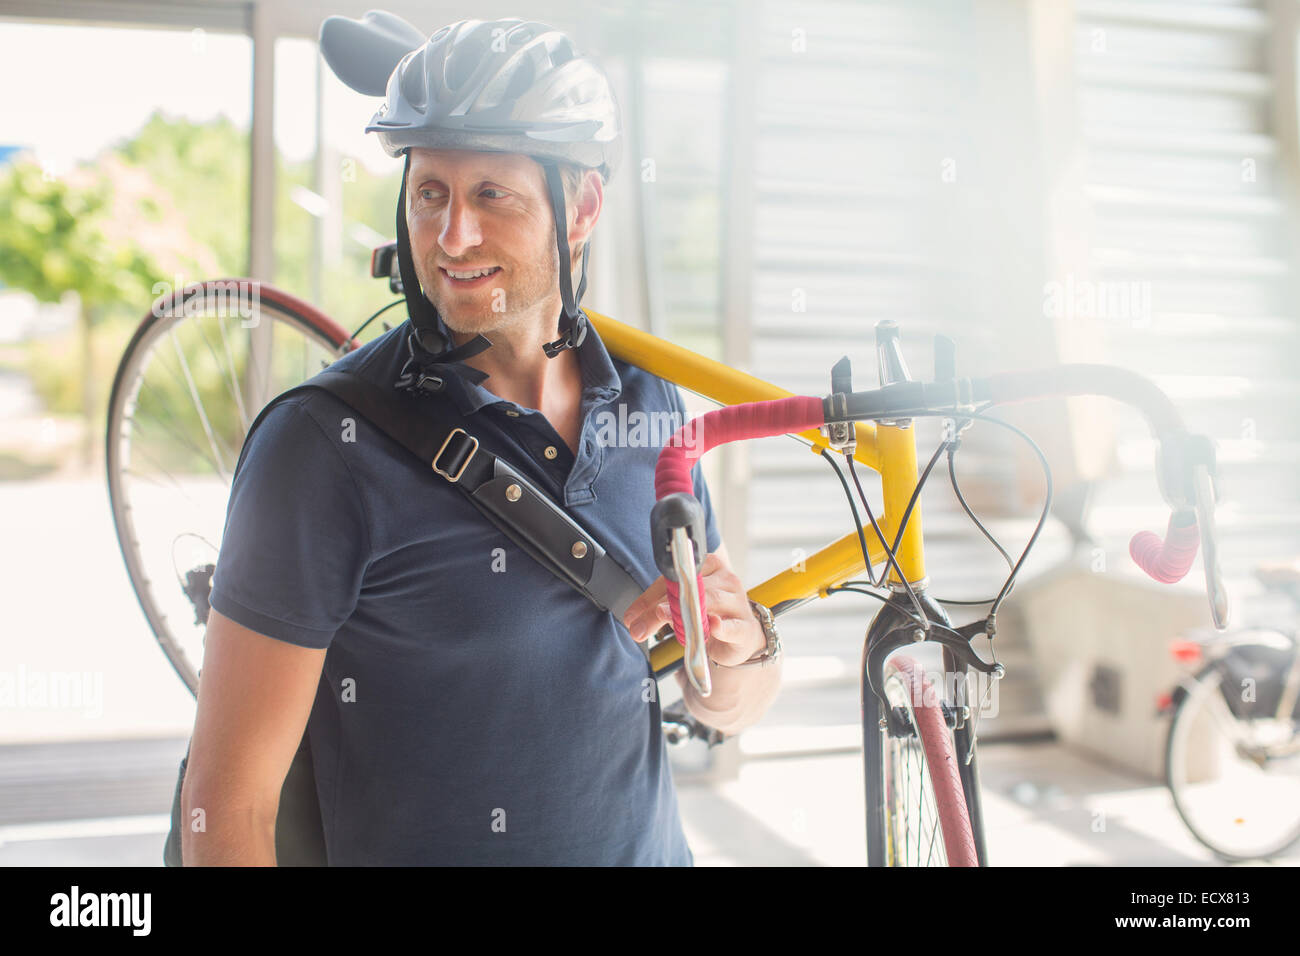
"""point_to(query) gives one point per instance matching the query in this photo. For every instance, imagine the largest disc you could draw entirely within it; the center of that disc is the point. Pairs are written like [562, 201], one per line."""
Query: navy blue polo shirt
[473, 708]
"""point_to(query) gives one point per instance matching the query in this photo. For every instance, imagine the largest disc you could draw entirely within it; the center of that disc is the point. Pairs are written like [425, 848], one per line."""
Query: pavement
[106, 803]
[1044, 805]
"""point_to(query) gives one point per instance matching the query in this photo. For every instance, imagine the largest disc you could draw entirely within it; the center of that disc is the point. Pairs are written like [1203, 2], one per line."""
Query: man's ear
[587, 204]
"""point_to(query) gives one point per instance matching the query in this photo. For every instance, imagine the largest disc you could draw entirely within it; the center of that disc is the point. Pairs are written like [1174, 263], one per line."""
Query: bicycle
[1232, 754]
[920, 772]
[200, 365]
[920, 768]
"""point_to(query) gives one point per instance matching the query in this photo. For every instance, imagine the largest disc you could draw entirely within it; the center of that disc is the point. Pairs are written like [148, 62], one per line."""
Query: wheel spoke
[235, 390]
[200, 408]
[176, 433]
[229, 379]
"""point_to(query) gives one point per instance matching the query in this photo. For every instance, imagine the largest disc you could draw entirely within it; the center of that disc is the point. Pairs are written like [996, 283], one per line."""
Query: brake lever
[1193, 458]
[695, 659]
[1214, 587]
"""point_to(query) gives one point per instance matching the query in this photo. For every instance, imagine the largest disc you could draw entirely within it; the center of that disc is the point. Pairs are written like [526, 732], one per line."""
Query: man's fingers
[650, 622]
[652, 595]
[726, 597]
[647, 613]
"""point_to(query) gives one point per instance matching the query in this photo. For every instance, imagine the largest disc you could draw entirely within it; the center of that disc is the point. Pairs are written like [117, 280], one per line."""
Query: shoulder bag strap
[524, 513]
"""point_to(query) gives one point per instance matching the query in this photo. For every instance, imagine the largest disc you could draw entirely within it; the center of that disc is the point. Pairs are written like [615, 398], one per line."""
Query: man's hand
[735, 634]
[741, 694]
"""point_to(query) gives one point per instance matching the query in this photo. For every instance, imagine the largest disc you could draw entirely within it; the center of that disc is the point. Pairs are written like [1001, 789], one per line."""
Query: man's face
[470, 211]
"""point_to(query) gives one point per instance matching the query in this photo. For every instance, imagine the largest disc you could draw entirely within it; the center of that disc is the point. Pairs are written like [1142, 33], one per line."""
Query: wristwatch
[773, 649]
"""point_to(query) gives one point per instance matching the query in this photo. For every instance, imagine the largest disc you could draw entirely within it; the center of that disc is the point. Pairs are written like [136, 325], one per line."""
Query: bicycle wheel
[199, 368]
[926, 821]
[1235, 781]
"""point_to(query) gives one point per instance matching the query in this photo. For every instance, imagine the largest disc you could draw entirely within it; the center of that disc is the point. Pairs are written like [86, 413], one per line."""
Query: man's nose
[460, 229]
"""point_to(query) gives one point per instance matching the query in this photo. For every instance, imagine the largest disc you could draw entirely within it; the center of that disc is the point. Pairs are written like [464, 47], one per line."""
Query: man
[465, 705]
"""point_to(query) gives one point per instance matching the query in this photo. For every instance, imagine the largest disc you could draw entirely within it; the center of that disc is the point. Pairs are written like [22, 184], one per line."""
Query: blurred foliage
[53, 239]
[347, 293]
[203, 168]
[171, 201]
[52, 361]
[61, 235]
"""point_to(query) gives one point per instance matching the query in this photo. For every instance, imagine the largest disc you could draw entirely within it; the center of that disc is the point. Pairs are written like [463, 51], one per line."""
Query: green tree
[203, 170]
[55, 238]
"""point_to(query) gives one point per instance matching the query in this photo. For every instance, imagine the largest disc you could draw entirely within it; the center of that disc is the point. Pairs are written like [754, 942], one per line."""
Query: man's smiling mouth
[469, 275]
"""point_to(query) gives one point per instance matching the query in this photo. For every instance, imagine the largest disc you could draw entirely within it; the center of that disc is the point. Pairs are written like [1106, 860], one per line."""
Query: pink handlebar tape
[781, 416]
[1169, 560]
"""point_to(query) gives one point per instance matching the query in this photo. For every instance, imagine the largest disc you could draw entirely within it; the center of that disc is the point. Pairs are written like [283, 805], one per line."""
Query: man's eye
[426, 194]
[500, 193]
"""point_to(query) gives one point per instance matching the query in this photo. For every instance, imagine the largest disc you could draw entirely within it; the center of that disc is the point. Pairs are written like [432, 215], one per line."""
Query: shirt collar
[600, 380]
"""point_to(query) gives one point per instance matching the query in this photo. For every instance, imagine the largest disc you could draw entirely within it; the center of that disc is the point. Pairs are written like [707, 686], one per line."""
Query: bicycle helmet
[509, 85]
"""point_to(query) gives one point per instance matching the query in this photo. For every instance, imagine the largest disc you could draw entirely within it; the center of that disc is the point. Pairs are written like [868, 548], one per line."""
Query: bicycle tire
[922, 780]
[195, 317]
[1204, 691]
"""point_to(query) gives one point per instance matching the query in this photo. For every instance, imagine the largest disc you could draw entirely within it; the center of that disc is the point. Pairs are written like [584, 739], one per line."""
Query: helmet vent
[521, 81]
[561, 53]
[412, 81]
[464, 60]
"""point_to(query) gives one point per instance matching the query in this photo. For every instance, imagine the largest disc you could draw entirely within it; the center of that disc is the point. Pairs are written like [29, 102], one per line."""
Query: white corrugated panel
[1181, 171]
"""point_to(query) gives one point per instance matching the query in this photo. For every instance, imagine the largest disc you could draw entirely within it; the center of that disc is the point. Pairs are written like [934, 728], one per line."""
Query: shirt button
[550, 451]
[512, 413]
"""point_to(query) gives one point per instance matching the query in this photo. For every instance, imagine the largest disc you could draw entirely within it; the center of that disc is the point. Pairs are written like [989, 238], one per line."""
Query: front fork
[895, 625]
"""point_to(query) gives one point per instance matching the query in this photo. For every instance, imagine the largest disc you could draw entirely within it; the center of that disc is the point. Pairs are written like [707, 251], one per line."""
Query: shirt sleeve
[713, 538]
[296, 541]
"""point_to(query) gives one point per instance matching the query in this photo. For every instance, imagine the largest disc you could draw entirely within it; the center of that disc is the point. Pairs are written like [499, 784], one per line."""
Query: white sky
[70, 91]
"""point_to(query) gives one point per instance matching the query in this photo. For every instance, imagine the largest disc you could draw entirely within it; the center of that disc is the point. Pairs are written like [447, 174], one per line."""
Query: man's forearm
[232, 834]
[741, 695]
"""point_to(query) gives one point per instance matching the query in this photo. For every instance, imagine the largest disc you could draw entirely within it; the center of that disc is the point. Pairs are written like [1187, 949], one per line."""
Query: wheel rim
[1241, 808]
[913, 836]
[187, 389]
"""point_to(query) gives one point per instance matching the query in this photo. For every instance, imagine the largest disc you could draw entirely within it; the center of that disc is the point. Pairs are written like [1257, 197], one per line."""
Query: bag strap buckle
[468, 447]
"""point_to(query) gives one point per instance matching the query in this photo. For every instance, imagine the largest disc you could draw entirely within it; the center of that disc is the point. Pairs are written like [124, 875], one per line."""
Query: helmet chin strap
[427, 338]
[573, 321]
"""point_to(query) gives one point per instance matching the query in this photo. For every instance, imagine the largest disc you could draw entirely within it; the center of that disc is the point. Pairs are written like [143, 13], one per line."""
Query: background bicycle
[1232, 761]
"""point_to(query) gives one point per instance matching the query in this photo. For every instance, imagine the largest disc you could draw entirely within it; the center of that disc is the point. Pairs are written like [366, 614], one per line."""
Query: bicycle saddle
[363, 53]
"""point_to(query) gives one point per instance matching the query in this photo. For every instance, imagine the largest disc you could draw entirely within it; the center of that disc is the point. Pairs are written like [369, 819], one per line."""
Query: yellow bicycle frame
[889, 450]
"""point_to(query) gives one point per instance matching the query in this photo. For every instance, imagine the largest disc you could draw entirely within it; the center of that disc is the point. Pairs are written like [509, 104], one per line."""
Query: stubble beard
[498, 306]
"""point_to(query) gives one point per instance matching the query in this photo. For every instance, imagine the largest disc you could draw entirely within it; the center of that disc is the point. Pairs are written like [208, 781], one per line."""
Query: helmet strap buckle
[573, 322]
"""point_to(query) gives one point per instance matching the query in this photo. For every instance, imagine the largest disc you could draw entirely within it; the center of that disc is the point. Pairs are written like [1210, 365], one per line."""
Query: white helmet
[512, 85]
